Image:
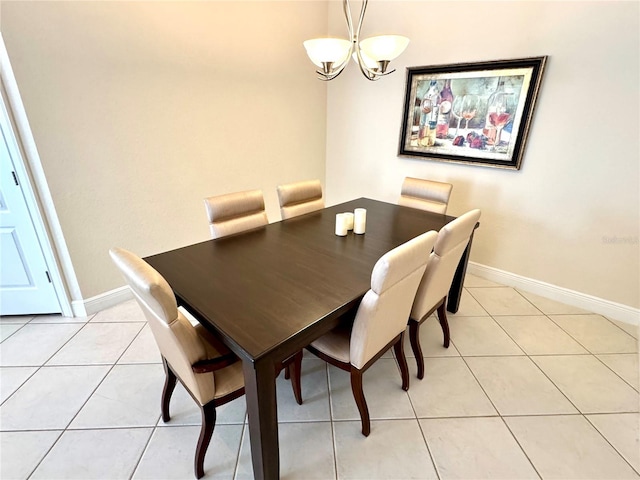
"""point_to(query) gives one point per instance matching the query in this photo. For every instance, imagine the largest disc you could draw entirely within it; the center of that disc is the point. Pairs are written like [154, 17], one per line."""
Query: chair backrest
[300, 198]
[425, 194]
[384, 310]
[452, 240]
[177, 339]
[235, 212]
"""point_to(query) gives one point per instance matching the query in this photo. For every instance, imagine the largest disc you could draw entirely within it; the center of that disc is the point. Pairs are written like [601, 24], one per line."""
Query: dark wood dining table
[269, 292]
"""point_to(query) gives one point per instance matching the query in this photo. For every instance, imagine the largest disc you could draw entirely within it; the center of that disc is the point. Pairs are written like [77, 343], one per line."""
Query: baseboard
[84, 308]
[612, 310]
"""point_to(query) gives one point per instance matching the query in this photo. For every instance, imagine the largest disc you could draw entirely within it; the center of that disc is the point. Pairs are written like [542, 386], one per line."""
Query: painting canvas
[472, 112]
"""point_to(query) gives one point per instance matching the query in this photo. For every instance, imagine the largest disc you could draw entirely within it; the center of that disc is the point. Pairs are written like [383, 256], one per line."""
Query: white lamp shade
[368, 61]
[384, 47]
[334, 50]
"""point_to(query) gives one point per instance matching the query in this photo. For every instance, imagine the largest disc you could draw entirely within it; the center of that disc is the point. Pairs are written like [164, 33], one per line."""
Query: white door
[25, 283]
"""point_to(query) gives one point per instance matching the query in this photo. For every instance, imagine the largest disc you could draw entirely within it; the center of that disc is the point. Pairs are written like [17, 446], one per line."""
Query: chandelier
[371, 54]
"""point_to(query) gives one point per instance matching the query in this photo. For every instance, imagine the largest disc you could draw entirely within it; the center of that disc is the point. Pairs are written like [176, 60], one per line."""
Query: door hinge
[15, 179]
[48, 277]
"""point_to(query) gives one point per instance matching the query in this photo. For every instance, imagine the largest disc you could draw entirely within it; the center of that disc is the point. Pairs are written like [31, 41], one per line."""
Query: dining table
[269, 292]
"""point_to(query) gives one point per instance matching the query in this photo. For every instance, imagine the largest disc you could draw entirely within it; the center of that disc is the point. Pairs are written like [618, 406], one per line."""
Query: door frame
[36, 190]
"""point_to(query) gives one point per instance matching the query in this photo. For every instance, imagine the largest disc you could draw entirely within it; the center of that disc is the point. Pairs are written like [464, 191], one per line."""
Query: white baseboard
[84, 308]
[612, 310]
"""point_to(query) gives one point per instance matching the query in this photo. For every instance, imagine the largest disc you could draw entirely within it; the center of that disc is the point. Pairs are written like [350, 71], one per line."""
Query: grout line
[607, 440]
[521, 447]
[144, 450]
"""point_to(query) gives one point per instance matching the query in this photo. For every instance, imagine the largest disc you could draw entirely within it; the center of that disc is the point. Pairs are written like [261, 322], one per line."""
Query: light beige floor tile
[95, 344]
[622, 430]
[382, 390]
[567, 446]
[59, 319]
[625, 365]
[550, 307]
[184, 410]
[590, 385]
[517, 387]
[306, 452]
[448, 390]
[128, 311]
[50, 398]
[93, 454]
[503, 301]
[537, 335]
[22, 319]
[631, 329]
[171, 452]
[143, 349]
[478, 336]
[11, 378]
[315, 395]
[395, 449]
[18, 350]
[128, 397]
[596, 333]
[475, 448]
[469, 307]
[20, 452]
[431, 341]
[8, 329]
[471, 280]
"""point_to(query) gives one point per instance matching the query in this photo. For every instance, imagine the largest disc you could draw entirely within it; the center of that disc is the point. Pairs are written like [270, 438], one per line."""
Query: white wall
[141, 109]
[579, 181]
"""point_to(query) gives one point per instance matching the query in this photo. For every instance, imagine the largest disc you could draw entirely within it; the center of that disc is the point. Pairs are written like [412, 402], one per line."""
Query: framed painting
[474, 113]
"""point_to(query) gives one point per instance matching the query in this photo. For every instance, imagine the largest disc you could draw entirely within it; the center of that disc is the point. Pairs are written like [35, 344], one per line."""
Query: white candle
[341, 225]
[349, 218]
[359, 220]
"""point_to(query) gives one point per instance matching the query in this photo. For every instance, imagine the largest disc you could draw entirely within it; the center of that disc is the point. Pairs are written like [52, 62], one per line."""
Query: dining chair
[207, 369]
[300, 198]
[380, 320]
[235, 212]
[426, 195]
[432, 293]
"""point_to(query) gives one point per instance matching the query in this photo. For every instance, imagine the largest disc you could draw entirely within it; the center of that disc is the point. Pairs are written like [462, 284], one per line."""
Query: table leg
[260, 390]
[455, 292]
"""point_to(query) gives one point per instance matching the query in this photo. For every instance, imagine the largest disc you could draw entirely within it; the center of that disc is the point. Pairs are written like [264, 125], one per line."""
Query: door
[25, 283]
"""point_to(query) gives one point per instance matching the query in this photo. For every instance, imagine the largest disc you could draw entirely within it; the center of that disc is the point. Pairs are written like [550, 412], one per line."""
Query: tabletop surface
[262, 288]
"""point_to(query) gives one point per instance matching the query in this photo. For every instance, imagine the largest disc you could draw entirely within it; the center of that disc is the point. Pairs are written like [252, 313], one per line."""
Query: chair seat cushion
[335, 344]
[228, 380]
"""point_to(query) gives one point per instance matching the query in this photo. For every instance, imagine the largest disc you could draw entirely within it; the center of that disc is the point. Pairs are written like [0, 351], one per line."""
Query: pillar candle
[359, 220]
[341, 225]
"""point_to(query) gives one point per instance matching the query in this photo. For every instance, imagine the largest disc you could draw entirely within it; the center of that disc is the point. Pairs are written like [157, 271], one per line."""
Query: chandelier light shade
[371, 54]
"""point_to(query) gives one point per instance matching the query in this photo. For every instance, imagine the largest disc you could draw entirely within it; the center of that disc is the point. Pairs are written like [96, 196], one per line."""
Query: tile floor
[529, 388]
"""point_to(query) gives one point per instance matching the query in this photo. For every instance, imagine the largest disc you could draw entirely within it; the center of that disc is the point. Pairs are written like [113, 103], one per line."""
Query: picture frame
[473, 113]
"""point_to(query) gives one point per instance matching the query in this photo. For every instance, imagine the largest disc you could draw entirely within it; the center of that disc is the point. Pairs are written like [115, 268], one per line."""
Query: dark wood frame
[532, 68]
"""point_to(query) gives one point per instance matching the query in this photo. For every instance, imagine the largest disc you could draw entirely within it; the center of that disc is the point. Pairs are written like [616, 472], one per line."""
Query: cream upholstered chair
[425, 195]
[235, 212]
[189, 354]
[432, 293]
[300, 198]
[380, 320]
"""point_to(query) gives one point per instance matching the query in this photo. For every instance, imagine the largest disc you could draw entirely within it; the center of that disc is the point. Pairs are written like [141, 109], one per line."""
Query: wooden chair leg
[208, 424]
[167, 391]
[358, 395]
[287, 372]
[414, 337]
[442, 316]
[398, 347]
[295, 369]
